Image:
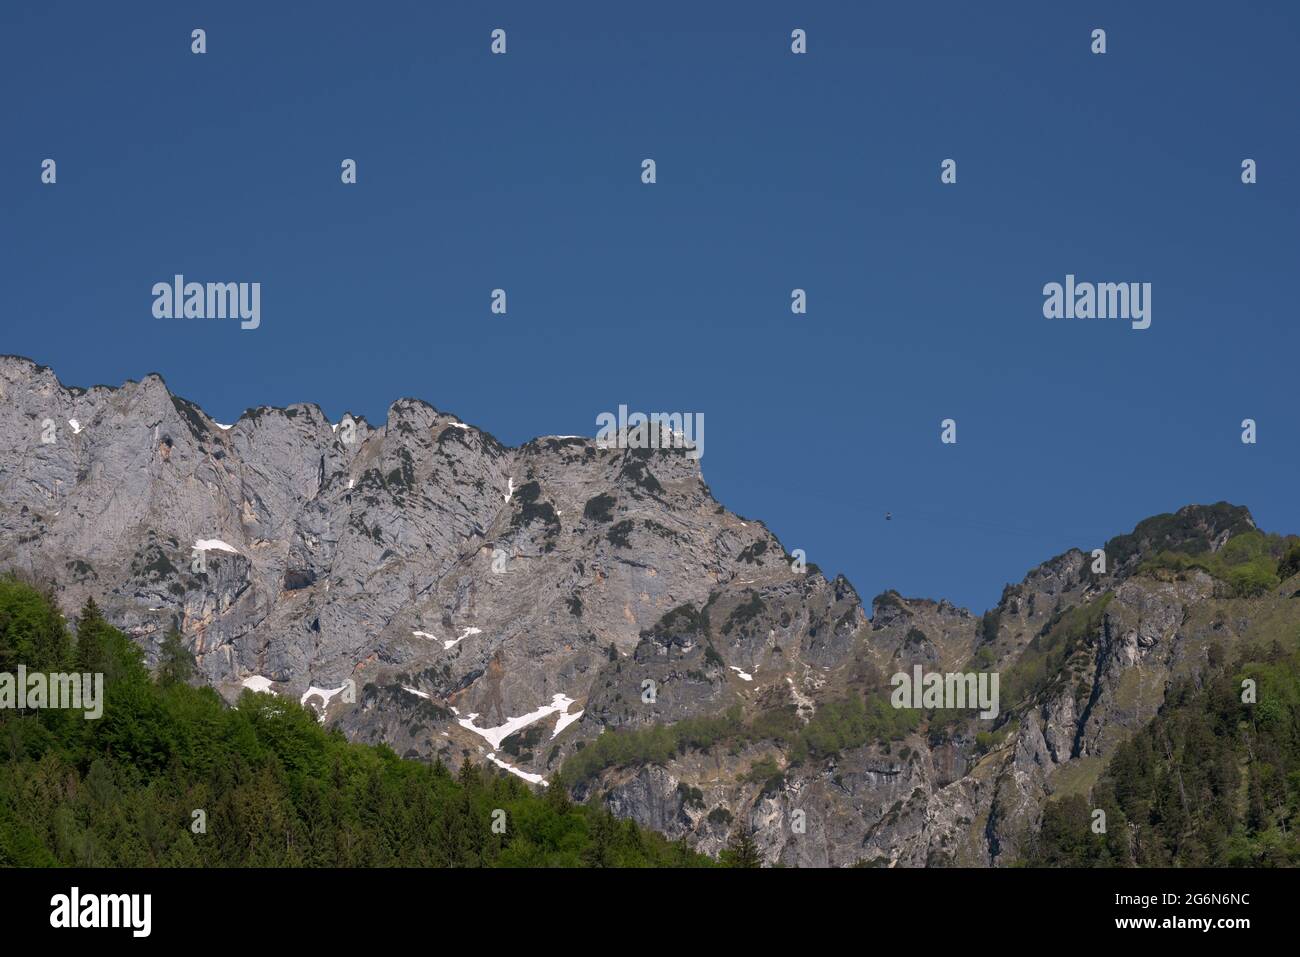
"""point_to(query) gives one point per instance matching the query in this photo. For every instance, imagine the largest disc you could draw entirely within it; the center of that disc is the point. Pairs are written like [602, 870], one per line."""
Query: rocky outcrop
[426, 586]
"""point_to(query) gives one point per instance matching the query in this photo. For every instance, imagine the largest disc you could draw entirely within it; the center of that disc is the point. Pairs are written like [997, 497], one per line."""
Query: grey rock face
[421, 552]
[514, 605]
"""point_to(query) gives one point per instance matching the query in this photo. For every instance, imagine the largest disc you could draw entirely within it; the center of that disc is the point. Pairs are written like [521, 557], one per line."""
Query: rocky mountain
[562, 605]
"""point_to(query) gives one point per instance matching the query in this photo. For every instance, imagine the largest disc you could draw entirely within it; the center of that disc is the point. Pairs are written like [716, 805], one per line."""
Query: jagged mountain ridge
[344, 557]
[510, 604]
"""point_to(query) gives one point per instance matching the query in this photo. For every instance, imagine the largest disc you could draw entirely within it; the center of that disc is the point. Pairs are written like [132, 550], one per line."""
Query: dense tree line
[1212, 781]
[273, 786]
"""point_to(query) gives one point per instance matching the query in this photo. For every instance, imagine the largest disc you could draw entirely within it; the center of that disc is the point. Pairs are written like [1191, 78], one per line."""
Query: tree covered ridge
[1211, 781]
[277, 789]
[1214, 779]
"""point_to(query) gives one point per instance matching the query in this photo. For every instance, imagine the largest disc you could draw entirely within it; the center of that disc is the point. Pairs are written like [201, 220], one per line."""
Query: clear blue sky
[775, 171]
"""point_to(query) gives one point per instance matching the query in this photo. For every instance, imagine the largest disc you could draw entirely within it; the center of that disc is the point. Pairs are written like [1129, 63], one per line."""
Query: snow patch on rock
[494, 736]
[448, 645]
[214, 545]
[564, 721]
[533, 778]
[325, 693]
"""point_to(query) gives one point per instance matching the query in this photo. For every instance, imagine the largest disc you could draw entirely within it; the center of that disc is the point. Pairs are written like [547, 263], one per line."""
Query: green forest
[1212, 781]
[274, 787]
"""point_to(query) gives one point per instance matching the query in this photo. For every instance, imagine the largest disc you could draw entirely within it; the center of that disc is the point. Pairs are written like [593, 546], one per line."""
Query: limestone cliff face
[489, 579]
[513, 605]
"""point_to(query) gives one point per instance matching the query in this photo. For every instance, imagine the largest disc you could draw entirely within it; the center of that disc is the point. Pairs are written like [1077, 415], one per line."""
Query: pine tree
[90, 654]
[557, 794]
[469, 777]
[741, 851]
[32, 631]
[175, 663]
[604, 831]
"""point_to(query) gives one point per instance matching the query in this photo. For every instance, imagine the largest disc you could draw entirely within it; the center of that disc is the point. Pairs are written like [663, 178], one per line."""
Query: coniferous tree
[175, 663]
[90, 653]
[741, 851]
[32, 632]
[557, 794]
[604, 830]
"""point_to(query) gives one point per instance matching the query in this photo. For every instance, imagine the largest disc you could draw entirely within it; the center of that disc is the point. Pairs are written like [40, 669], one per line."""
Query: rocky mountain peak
[564, 605]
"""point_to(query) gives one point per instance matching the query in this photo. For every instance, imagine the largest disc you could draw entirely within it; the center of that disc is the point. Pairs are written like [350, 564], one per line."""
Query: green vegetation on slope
[838, 725]
[1211, 781]
[1061, 645]
[1250, 563]
[1190, 531]
[276, 788]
